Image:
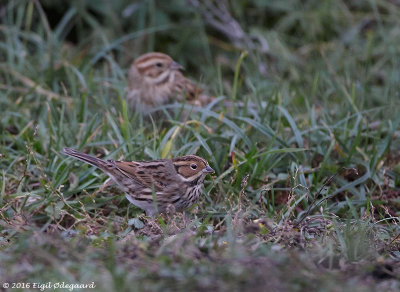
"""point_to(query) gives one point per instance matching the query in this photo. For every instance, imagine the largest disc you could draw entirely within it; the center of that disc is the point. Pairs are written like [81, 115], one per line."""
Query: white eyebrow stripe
[149, 62]
[180, 163]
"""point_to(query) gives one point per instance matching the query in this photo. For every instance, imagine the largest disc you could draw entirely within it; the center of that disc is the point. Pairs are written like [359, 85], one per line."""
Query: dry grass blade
[32, 85]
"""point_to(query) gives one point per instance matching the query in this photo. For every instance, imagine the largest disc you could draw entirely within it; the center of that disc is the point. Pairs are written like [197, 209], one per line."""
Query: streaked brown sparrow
[155, 79]
[155, 185]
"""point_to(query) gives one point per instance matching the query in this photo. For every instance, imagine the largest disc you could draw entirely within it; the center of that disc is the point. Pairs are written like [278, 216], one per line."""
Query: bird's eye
[193, 166]
[159, 64]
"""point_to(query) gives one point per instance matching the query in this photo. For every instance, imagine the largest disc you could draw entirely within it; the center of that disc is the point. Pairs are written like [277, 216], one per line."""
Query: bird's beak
[176, 66]
[208, 169]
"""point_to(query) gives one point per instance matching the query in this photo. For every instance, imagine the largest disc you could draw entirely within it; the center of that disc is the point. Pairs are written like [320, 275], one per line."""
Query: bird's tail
[102, 164]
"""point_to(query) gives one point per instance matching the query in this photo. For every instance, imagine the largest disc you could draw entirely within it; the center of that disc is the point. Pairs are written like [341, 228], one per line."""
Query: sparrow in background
[155, 79]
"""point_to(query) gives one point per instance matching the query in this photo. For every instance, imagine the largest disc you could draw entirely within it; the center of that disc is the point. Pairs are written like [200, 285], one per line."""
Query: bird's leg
[185, 218]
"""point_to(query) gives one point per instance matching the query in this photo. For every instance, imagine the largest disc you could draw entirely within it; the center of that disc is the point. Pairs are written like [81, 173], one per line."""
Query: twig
[326, 182]
[243, 185]
[217, 15]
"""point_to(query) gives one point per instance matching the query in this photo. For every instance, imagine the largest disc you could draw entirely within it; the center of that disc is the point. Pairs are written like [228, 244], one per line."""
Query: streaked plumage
[177, 181]
[155, 79]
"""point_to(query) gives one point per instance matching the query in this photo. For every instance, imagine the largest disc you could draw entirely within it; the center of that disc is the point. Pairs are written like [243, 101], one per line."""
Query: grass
[306, 191]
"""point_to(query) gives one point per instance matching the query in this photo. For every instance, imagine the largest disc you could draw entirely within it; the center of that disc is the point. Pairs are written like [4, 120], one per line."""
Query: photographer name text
[48, 285]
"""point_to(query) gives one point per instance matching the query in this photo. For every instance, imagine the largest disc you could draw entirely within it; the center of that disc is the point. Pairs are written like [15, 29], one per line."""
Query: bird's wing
[156, 176]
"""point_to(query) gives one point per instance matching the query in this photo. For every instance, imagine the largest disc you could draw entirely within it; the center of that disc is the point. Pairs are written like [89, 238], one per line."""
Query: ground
[303, 134]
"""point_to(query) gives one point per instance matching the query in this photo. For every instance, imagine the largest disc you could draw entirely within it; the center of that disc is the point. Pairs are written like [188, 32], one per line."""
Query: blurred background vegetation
[316, 132]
